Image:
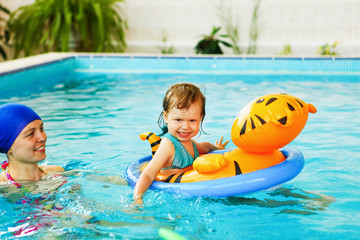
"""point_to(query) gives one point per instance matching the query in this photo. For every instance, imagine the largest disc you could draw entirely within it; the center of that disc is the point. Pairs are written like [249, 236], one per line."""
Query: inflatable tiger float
[262, 127]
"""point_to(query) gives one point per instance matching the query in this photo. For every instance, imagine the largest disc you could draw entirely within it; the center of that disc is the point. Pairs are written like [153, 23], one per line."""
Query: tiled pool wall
[49, 72]
[221, 65]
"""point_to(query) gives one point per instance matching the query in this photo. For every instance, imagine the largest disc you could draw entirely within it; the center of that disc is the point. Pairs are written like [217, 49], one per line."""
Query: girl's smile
[184, 124]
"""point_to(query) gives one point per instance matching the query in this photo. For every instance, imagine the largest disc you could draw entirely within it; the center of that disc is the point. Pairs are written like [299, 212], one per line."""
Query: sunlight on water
[93, 126]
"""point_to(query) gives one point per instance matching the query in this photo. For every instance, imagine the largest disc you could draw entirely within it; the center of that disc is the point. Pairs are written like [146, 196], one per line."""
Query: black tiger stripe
[243, 129]
[155, 143]
[252, 123]
[260, 119]
[299, 102]
[148, 136]
[270, 101]
[169, 178]
[291, 107]
[237, 168]
[283, 120]
[178, 179]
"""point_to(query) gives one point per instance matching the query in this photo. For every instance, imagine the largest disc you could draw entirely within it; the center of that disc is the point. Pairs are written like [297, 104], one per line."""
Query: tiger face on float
[270, 122]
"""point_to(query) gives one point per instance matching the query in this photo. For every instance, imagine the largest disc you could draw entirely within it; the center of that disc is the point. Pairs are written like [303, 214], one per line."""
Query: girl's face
[184, 124]
[29, 146]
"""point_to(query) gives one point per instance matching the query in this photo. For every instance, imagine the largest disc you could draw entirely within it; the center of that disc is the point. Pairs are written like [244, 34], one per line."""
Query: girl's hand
[138, 200]
[219, 143]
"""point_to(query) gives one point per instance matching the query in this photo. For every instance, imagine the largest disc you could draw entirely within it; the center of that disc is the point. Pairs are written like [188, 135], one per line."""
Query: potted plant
[68, 25]
[210, 44]
[328, 49]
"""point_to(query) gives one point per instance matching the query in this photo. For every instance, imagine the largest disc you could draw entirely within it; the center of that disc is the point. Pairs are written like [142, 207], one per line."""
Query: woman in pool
[22, 139]
[183, 112]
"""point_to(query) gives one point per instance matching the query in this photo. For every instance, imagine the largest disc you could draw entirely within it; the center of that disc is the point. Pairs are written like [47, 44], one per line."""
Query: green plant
[4, 33]
[327, 49]
[52, 25]
[286, 50]
[165, 49]
[231, 28]
[210, 44]
[254, 29]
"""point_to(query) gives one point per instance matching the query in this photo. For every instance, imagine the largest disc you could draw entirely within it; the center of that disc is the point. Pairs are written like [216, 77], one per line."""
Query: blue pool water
[95, 108]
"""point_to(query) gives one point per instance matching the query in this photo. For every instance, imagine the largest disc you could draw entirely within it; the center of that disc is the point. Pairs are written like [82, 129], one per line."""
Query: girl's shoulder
[166, 143]
[52, 168]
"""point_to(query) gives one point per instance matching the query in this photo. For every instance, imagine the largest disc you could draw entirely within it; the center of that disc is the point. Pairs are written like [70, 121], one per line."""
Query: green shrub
[4, 33]
[165, 49]
[210, 44]
[328, 49]
[231, 27]
[254, 29]
[52, 25]
[286, 50]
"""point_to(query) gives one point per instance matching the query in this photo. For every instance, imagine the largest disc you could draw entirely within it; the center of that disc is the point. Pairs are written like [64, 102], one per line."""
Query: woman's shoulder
[3, 177]
[52, 168]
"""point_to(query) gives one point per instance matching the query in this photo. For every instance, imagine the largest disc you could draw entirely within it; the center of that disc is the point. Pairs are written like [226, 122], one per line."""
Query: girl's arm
[205, 147]
[163, 155]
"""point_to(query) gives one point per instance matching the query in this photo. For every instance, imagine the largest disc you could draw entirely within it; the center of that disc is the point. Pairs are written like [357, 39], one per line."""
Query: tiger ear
[312, 108]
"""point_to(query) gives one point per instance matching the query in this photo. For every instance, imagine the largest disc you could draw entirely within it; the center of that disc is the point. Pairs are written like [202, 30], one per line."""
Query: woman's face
[29, 146]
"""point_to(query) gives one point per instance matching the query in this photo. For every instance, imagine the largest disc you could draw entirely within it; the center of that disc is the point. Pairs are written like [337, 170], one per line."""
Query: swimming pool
[95, 106]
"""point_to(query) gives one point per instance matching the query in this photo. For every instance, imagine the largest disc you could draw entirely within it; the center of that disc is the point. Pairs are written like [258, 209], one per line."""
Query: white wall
[304, 24]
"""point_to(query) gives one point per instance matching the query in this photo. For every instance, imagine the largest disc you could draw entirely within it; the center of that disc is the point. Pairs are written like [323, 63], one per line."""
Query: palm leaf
[48, 25]
[2, 52]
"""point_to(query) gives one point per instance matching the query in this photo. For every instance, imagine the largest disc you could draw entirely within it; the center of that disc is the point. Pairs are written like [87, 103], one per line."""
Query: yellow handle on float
[209, 163]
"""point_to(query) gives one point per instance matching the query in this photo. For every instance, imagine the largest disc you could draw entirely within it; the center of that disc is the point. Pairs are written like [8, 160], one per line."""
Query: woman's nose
[41, 136]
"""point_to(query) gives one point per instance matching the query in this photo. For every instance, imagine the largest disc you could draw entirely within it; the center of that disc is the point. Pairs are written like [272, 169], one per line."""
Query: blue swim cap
[14, 118]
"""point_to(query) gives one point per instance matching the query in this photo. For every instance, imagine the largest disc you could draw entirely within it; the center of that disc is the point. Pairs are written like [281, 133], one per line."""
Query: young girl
[183, 113]
[22, 139]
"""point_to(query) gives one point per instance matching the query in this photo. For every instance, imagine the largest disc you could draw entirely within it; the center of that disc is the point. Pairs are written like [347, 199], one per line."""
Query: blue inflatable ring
[231, 186]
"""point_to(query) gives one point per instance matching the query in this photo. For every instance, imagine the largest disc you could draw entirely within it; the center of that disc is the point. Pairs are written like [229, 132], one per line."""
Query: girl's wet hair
[181, 96]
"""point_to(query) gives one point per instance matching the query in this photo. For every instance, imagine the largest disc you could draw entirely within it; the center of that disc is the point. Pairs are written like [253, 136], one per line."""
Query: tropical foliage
[254, 29]
[210, 44]
[328, 49]
[4, 33]
[231, 27]
[165, 48]
[68, 25]
[287, 50]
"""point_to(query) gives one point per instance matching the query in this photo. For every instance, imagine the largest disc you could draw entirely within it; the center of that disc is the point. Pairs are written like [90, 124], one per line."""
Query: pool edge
[22, 64]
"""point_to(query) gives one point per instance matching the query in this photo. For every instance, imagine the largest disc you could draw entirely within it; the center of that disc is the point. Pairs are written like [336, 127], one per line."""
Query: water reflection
[308, 202]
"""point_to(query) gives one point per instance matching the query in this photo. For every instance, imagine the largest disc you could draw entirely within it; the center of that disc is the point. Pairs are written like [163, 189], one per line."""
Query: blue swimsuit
[182, 157]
